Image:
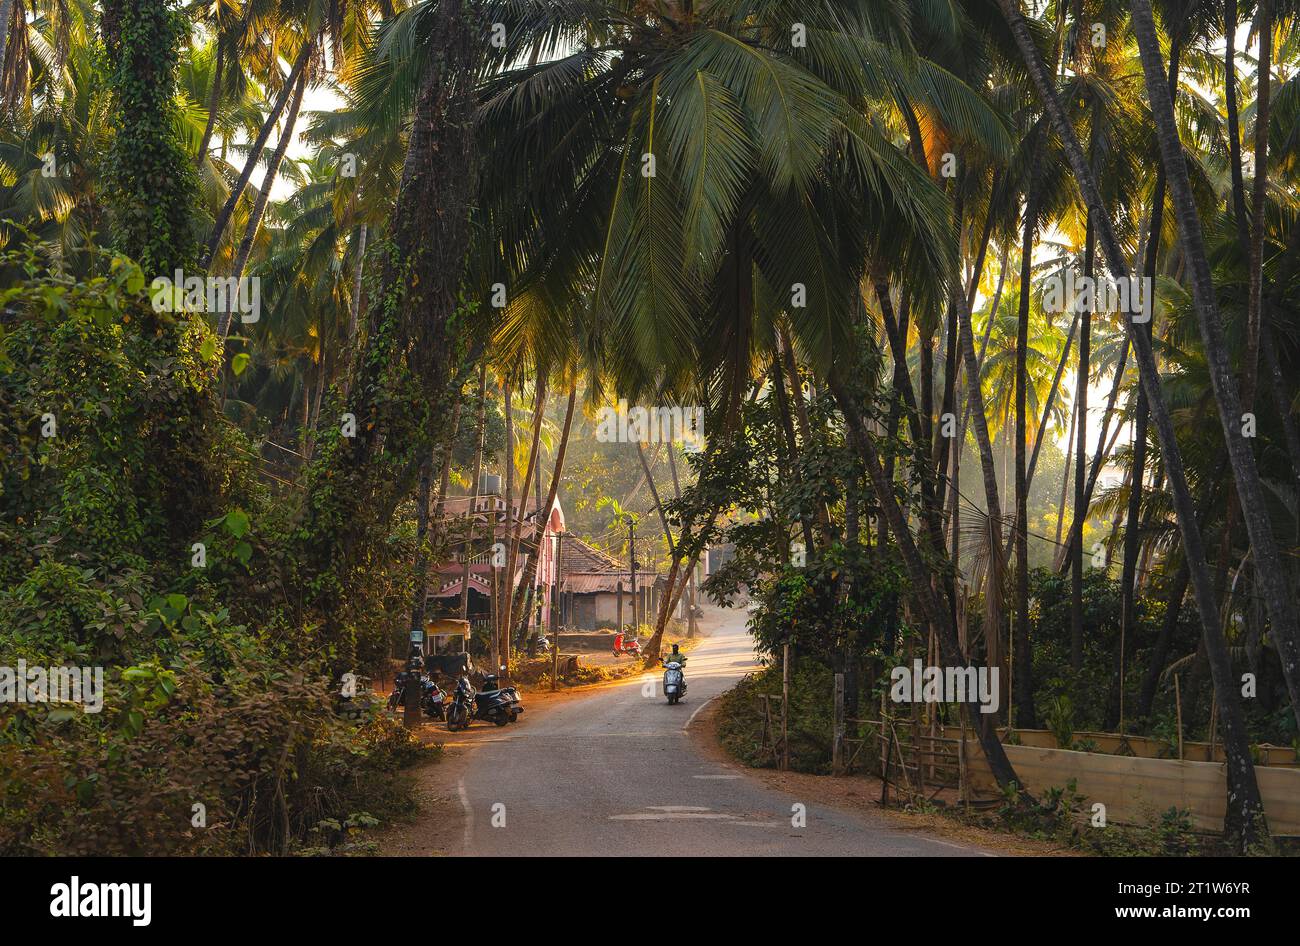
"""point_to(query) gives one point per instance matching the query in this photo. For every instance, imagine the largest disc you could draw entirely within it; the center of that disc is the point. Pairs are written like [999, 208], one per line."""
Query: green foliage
[811, 719]
[214, 692]
[1059, 718]
[150, 181]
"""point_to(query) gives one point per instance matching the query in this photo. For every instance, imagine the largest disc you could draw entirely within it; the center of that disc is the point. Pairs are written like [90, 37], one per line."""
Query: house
[488, 556]
[598, 588]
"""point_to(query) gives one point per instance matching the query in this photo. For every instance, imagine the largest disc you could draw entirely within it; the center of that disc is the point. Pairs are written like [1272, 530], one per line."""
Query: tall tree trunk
[554, 489]
[1142, 412]
[1271, 576]
[481, 427]
[778, 381]
[1024, 664]
[1245, 818]
[1258, 195]
[6, 14]
[1160, 651]
[514, 596]
[1065, 481]
[264, 192]
[255, 153]
[506, 587]
[988, 467]
[1082, 380]
[1051, 399]
[354, 313]
[421, 582]
[1230, 22]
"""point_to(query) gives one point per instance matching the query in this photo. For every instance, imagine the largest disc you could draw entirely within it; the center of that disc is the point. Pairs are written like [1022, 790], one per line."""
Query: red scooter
[626, 645]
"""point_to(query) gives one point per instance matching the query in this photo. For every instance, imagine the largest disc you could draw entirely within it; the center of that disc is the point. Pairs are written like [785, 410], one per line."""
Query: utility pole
[691, 627]
[558, 610]
[631, 557]
[785, 707]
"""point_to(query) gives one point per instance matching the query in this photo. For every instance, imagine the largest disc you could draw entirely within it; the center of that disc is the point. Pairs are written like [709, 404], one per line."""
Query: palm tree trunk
[6, 14]
[1142, 412]
[314, 423]
[1051, 399]
[255, 153]
[553, 491]
[1082, 380]
[354, 311]
[478, 474]
[1245, 816]
[1258, 195]
[1271, 575]
[421, 582]
[988, 467]
[514, 596]
[264, 192]
[1065, 482]
[505, 588]
[1024, 676]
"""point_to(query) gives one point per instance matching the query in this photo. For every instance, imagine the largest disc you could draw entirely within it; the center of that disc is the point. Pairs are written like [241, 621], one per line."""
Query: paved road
[616, 774]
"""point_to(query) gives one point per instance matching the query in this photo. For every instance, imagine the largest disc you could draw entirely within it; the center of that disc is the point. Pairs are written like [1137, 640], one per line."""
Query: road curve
[615, 773]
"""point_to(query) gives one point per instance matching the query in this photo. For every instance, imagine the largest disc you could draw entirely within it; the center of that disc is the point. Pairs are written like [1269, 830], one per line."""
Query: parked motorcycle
[494, 703]
[432, 700]
[674, 680]
[626, 645]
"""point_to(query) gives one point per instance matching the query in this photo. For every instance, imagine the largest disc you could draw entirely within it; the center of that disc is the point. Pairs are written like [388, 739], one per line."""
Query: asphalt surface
[615, 773]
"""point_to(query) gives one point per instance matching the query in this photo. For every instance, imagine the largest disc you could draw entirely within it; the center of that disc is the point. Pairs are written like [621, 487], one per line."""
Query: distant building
[488, 557]
[593, 582]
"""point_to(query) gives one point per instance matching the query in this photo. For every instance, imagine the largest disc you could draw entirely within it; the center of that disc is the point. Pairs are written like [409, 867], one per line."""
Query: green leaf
[243, 552]
[237, 523]
[177, 602]
[208, 349]
[239, 363]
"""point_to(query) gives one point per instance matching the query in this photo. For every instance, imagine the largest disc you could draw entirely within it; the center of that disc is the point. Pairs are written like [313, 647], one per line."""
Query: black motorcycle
[494, 703]
[432, 700]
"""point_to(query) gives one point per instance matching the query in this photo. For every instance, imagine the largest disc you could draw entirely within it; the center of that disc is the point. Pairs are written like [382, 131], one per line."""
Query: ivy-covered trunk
[404, 385]
[151, 186]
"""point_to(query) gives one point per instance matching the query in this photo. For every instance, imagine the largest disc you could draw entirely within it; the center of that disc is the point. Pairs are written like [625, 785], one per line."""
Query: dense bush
[217, 688]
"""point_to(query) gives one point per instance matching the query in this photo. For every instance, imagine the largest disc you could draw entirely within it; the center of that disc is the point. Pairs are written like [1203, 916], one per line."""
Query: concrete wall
[1133, 789]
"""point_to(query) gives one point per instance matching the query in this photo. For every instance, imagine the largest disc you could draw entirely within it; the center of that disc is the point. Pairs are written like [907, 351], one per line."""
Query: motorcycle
[674, 680]
[626, 645]
[496, 704]
[432, 700]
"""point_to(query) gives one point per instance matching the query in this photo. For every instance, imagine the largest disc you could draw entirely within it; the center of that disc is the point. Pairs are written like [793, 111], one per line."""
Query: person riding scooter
[674, 679]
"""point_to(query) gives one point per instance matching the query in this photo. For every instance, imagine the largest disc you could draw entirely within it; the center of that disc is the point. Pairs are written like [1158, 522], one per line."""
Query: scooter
[432, 700]
[674, 680]
[496, 704]
[626, 645]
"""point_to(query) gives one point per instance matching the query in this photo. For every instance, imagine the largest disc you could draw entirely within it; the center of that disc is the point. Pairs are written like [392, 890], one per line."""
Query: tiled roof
[577, 556]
